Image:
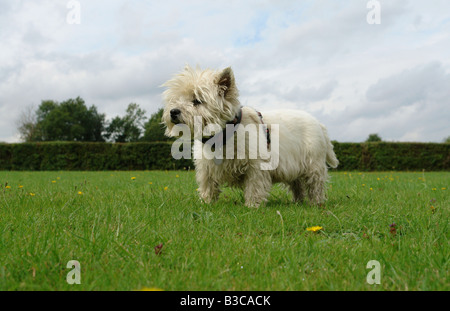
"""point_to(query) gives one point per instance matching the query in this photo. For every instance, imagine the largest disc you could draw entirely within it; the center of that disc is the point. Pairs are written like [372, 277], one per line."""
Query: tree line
[73, 120]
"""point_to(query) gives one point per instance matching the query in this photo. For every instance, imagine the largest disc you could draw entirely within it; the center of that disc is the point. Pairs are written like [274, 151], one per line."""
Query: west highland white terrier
[297, 141]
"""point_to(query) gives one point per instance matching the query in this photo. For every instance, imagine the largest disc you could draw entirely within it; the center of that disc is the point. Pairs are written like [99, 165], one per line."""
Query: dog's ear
[225, 81]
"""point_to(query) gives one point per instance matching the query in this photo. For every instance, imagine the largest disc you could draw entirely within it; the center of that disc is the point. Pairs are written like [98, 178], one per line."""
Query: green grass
[111, 223]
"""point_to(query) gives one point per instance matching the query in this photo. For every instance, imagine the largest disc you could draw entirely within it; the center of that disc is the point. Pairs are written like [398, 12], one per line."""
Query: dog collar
[220, 139]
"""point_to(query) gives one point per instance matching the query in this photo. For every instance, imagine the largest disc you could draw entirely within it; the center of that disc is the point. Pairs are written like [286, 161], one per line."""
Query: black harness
[219, 140]
[267, 129]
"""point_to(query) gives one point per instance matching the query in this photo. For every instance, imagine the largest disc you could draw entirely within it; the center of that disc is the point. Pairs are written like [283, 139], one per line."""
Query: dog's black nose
[174, 113]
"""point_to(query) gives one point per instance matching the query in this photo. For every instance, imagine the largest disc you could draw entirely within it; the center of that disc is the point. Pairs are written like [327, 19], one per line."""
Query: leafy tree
[128, 128]
[373, 138]
[154, 130]
[69, 120]
[447, 140]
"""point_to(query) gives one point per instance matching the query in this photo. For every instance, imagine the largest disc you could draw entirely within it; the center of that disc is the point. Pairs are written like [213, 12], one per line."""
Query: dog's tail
[331, 156]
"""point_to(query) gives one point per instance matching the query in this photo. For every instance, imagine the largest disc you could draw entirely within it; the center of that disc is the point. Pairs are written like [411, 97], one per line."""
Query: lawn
[135, 230]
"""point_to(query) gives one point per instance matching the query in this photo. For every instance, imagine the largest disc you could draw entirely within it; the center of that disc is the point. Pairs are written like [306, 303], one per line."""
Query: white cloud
[320, 56]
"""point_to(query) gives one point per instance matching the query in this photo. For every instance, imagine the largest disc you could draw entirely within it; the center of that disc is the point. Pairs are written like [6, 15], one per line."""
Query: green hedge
[384, 156]
[89, 156]
[156, 156]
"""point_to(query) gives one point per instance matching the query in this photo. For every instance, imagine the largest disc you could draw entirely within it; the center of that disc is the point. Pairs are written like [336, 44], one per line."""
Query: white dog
[303, 146]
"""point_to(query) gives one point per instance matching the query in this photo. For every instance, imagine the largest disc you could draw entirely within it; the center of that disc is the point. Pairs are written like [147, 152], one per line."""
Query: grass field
[111, 222]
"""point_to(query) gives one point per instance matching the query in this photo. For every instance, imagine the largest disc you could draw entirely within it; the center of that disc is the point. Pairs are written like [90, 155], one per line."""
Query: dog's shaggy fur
[304, 146]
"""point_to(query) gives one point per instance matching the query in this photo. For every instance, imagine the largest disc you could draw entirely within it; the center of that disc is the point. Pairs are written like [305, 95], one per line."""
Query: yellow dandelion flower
[434, 189]
[151, 289]
[165, 188]
[133, 178]
[371, 189]
[177, 176]
[20, 186]
[443, 188]
[150, 183]
[8, 187]
[53, 181]
[378, 178]
[314, 228]
[80, 193]
[363, 185]
[58, 178]
[32, 194]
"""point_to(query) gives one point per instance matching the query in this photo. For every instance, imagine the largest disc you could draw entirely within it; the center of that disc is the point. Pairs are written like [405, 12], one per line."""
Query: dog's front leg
[209, 192]
[257, 184]
[208, 189]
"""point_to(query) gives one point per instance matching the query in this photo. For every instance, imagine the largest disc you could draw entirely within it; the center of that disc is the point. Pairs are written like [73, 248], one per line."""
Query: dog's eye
[196, 102]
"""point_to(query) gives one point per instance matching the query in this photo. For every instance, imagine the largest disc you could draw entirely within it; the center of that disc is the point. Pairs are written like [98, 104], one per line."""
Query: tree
[128, 128]
[447, 140]
[154, 130]
[373, 138]
[70, 120]
[27, 125]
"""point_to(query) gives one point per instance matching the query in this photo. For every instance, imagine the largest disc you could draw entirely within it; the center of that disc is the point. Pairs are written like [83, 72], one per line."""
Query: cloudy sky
[357, 78]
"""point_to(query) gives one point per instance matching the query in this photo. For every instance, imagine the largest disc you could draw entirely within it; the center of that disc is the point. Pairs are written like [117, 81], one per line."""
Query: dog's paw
[252, 204]
[207, 199]
[255, 202]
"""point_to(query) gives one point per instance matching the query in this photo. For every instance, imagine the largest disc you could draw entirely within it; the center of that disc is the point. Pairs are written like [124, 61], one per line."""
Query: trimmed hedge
[379, 156]
[385, 156]
[89, 156]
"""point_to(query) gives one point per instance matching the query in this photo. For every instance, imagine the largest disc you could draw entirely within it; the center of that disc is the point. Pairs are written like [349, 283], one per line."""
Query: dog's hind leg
[315, 182]
[298, 189]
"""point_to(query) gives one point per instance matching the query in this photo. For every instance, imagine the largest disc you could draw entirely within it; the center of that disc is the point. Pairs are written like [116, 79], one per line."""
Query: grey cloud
[298, 94]
[412, 105]
[312, 94]
[423, 85]
[340, 33]
[412, 85]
